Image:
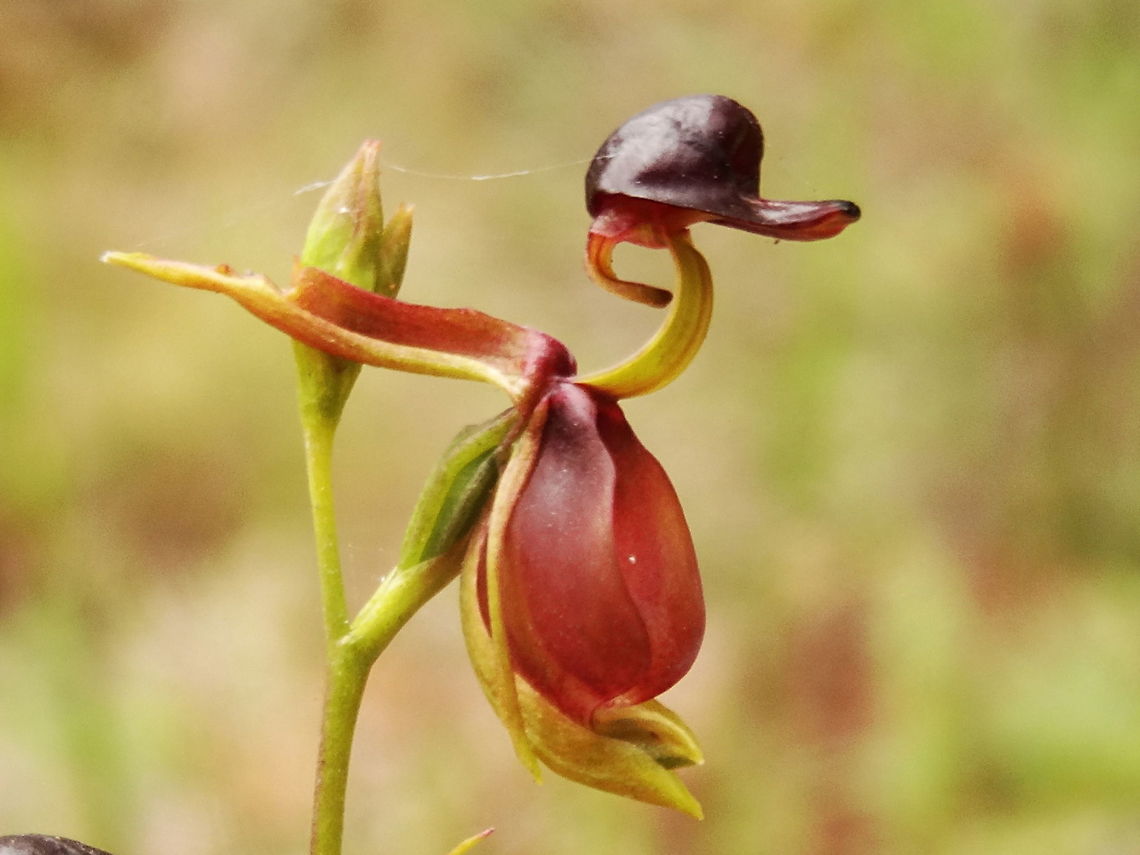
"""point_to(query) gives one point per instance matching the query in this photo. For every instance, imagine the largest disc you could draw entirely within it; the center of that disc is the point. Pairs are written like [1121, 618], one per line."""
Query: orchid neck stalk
[670, 351]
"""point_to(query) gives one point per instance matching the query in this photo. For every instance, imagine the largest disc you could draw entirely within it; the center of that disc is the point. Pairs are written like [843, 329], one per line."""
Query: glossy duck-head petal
[695, 159]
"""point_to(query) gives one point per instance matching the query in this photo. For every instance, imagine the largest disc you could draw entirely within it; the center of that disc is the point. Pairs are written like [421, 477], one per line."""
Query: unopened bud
[347, 236]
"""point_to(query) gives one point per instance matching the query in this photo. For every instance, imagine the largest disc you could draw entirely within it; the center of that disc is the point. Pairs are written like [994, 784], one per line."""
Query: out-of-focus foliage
[910, 456]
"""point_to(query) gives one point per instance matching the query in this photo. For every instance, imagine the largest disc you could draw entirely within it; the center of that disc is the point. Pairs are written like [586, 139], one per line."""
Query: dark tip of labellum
[695, 159]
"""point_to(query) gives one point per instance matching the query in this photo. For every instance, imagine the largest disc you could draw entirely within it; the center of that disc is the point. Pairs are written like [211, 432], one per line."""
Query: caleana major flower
[580, 594]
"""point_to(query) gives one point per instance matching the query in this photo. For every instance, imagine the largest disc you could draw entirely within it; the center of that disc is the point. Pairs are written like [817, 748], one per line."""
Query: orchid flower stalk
[580, 593]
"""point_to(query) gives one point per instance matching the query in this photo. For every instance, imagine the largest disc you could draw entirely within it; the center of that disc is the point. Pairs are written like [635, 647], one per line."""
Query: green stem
[428, 561]
[346, 679]
[400, 595]
[345, 674]
[319, 433]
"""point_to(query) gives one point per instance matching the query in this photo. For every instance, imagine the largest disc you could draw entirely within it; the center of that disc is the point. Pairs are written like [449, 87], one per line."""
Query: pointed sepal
[603, 762]
[329, 314]
[655, 729]
[468, 844]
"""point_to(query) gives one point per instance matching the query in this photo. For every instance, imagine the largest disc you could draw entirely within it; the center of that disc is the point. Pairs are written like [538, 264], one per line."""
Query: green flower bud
[347, 238]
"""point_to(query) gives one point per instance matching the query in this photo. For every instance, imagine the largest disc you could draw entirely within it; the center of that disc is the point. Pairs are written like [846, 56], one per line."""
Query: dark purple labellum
[699, 154]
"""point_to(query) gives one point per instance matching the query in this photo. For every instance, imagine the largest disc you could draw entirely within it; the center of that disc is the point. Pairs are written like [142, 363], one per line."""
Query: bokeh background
[910, 456]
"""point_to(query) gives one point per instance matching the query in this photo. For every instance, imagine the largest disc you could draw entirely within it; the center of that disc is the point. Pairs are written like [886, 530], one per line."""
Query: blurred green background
[910, 456]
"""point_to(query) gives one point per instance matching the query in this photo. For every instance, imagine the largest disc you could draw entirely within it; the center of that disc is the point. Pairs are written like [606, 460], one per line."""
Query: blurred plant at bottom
[42, 844]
